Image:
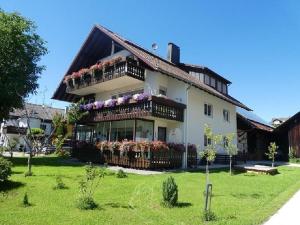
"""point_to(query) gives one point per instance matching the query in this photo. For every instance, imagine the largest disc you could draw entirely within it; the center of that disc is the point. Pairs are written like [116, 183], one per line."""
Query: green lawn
[241, 199]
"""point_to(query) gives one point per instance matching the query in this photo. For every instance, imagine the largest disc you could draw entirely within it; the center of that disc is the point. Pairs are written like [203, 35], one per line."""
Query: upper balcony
[105, 76]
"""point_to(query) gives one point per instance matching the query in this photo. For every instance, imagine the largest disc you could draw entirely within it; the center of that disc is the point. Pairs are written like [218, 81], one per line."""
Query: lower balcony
[149, 106]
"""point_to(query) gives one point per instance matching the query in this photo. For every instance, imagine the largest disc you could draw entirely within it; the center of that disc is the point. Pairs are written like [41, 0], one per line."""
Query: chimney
[173, 53]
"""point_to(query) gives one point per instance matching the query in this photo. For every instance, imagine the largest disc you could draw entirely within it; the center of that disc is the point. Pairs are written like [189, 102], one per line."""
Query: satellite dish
[154, 46]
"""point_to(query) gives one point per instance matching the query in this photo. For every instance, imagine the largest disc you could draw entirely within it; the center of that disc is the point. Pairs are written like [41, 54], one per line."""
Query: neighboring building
[278, 121]
[254, 135]
[180, 98]
[16, 126]
[288, 134]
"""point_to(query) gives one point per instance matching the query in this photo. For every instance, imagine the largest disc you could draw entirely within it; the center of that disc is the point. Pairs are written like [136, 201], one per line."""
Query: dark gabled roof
[153, 61]
[203, 69]
[255, 124]
[36, 111]
[295, 119]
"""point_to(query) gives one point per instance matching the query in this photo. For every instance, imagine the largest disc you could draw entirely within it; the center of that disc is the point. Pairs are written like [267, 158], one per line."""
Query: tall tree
[21, 48]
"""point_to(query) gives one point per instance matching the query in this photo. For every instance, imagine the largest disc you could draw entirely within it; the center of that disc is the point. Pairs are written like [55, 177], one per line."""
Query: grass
[240, 199]
[295, 160]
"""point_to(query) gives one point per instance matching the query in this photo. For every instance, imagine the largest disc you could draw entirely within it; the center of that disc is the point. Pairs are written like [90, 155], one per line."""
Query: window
[226, 115]
[121, 130]
[213, 82]
[207, 141]
[219, 86]
[144, 130]
[162, 90]
[206, 79]
[43, 126]
[224, 89]
[208, 110]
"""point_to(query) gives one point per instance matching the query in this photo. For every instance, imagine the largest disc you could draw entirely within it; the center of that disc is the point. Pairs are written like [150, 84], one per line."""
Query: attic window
[162, 90]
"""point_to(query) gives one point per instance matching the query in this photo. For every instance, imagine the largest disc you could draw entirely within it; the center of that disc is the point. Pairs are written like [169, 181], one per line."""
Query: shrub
[28, 174]
[86, 203]
[5, 169]
[170, 192]
[208, 216]
[25, 201]
[59, 184]
[121, 174]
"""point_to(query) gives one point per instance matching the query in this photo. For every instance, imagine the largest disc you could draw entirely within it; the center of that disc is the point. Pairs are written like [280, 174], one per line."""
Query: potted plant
[97, 71]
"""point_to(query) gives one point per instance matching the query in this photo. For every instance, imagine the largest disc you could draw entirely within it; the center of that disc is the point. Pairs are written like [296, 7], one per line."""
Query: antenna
[154, 47]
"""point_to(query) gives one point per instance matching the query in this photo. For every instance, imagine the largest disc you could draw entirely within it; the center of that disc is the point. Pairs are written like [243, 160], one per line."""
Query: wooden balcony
[154, 106]
[16, 130]
[99, 79]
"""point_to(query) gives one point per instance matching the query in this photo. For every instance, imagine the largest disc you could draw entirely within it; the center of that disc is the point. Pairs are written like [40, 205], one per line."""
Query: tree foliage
[272, 152]
[230, 147]
[74, 113]
[21, 48]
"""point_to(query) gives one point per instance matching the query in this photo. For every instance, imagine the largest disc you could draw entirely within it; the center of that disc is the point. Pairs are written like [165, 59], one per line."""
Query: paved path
[288, 214]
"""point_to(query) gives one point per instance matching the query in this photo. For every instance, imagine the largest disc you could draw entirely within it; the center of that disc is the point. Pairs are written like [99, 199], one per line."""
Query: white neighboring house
[183, 97]
[16, 126]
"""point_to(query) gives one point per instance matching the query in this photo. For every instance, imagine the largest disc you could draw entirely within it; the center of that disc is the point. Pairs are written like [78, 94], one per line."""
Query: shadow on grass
[118, 206]
[183, 205]
[244, 196]
[10, 185]
[46, 161]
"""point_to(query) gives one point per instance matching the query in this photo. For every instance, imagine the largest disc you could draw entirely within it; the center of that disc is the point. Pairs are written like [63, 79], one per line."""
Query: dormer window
[206, 79]
[213, 82]
[224, 89]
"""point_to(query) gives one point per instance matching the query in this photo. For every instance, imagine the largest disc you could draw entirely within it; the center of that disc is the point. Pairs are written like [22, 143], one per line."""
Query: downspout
[185, 162]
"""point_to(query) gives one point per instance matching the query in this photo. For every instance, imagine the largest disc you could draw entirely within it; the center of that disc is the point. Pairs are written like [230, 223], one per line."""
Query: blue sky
[255, 44]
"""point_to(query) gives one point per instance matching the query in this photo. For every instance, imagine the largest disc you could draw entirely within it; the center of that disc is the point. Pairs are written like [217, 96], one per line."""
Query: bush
[59, 184]
[208, 216]
[121, 174]
[170, 192]
[5, 169]
[86, 203]
[28, 174]
[25, 200]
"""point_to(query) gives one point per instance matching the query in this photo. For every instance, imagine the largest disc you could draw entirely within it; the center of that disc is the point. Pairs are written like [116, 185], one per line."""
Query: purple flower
[112, 103]
[89, 106]
[142, 97]
[99, 104]
[124, 100]
[81, 107]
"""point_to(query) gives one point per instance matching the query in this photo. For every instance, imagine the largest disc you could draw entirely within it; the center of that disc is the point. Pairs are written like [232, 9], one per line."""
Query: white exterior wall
[176, 90]
[197, 119]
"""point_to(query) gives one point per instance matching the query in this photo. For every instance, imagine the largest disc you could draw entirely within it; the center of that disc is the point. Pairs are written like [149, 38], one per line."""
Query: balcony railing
[125, 68]
[16, 130]
[154, 106]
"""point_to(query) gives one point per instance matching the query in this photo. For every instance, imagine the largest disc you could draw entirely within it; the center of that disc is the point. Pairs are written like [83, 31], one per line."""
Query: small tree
[209, 152]
[58, 142]
[170, 192]
[88, 186]
[231, 148]
[272, 152]
[12, 144]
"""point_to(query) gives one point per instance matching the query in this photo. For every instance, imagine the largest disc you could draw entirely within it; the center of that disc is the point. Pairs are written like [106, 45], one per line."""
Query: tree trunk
[29, 163]
[230, 165]
[207, 173]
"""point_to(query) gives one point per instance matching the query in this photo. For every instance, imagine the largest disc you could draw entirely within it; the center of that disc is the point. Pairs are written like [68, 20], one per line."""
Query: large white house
[134, 94]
